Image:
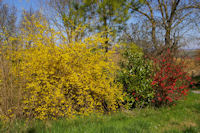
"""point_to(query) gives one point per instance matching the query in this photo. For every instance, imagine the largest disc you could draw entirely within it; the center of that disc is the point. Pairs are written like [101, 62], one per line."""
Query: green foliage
[73, 14]
[109, 16]
[112, 13]
[112, 17]
[135, 75]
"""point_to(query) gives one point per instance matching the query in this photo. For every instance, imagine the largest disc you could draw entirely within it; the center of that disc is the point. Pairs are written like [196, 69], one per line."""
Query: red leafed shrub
[170, 82]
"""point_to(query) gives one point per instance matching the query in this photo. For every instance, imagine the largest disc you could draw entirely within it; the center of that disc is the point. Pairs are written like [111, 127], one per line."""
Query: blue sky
[22, 5]
[26, 4]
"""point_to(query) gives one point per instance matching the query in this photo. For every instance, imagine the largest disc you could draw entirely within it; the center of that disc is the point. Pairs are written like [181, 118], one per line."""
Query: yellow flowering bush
[65, 79]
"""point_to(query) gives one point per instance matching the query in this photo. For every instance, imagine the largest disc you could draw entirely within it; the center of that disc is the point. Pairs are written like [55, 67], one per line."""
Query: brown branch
[181, 19]
[162, 12]
[165, 8]
[145, 14]
[150, 8]
[189, 7]
[173, 11]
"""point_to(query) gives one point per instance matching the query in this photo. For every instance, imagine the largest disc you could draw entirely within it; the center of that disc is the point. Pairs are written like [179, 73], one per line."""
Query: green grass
[184, 117]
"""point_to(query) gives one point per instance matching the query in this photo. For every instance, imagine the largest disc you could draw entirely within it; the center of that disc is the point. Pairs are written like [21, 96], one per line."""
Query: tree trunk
[167, 37]
[105, 25]
[153, 33]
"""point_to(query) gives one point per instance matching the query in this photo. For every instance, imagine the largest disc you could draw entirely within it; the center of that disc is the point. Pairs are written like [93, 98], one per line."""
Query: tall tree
[7, 20]
[98, 15]
[172, 17]
[71, 14]
[112, 15]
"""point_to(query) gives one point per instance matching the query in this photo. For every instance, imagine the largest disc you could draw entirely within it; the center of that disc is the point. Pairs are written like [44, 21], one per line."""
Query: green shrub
[135, 75]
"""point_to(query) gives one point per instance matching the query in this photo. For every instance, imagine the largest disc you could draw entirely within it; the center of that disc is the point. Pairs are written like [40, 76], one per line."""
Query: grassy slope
[185, 117]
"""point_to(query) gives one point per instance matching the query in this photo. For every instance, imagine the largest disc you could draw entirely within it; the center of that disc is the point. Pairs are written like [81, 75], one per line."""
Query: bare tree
[172, 18]
[67, 15]
[7, 20]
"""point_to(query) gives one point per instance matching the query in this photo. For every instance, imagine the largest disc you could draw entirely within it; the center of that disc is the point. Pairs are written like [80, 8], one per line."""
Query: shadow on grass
[196, 85]
[31, 130]
[191, 130]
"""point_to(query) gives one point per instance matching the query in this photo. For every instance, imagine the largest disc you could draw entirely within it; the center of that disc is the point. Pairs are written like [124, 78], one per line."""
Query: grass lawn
[184, 117]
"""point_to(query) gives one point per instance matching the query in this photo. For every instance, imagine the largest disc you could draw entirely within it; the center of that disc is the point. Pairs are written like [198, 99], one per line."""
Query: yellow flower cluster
[63, 80]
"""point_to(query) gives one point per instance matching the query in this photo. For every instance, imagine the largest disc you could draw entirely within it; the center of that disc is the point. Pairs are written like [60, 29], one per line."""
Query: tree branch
[181, 19]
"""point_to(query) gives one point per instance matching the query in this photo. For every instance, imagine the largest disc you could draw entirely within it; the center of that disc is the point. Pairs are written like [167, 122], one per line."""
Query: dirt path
[197, 92]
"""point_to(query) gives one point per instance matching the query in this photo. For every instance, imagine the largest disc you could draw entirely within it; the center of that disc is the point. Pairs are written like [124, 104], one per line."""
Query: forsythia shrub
[135, 75]
[170, 81]
[63, 80]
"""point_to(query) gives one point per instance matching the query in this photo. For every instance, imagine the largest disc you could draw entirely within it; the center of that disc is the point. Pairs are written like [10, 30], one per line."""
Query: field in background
[193, 62]
[193, 65]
